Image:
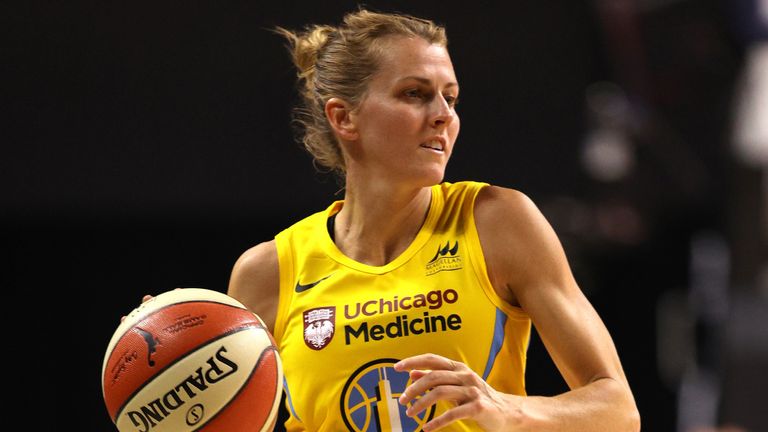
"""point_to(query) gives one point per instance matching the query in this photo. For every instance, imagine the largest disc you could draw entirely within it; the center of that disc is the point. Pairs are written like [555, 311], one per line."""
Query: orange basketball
[192, 360]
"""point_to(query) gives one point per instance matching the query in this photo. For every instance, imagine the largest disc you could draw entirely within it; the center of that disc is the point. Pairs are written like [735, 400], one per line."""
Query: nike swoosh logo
[302, 288]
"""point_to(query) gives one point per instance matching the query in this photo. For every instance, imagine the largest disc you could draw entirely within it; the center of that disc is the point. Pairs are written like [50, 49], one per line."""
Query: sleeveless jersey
[342, 325]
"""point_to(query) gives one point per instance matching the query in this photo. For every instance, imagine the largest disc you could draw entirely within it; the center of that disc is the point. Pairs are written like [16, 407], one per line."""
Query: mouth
[434, 144]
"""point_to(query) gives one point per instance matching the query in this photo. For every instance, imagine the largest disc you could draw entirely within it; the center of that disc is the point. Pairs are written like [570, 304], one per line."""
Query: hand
[144, 299]
[453, 381]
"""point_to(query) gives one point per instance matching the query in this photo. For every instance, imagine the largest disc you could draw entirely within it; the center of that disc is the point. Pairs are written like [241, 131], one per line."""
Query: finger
[144, 299]
[417, 374]
[458, 413]
[450, 393]
[430, 381]
[427, 361]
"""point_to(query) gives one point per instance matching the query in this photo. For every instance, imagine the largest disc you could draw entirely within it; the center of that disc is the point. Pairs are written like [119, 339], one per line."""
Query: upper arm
[255, 281]
[528, 267]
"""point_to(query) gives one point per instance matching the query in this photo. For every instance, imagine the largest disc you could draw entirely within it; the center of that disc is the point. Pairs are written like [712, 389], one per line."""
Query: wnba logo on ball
[369, 400]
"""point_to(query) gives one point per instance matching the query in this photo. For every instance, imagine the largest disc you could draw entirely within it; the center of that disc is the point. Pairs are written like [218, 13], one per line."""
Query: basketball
[192, 359]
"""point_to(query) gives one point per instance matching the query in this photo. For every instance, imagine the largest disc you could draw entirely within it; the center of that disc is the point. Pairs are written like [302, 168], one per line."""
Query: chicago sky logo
[319, 326]
[446, 258]
[369, 400]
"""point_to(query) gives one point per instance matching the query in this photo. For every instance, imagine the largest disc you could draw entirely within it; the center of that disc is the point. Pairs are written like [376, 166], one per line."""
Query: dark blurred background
[145, 145]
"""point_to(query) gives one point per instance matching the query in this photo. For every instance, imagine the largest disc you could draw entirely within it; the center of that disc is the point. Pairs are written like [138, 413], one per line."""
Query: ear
[340, 116]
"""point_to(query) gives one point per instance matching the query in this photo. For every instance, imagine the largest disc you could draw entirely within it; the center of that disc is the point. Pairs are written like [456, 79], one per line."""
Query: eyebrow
[426, 80]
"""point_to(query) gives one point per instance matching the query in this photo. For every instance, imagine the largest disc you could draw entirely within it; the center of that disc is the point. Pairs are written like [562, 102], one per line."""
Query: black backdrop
[149, 143]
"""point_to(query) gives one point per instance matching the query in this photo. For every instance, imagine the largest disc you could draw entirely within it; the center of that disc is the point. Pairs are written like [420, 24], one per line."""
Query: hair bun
[305, 47]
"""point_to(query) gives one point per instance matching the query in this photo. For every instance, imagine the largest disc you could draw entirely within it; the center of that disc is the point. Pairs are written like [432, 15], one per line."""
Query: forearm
[604, 405]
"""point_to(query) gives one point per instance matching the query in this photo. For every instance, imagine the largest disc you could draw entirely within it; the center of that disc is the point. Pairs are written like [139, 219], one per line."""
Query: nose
[442, 113]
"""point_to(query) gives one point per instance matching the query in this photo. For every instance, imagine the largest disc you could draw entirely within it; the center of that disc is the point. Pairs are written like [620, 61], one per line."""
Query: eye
[414, 93]
[451, 100]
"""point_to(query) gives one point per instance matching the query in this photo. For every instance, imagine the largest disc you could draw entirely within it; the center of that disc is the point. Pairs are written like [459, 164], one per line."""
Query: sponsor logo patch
[319, 326]
[447, 258]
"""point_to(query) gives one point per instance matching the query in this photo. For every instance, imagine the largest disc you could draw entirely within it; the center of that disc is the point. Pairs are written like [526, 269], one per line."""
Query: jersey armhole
[477, 258]
[286, 271]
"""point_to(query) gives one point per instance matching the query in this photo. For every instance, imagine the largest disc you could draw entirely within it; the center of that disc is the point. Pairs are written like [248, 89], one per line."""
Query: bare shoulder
[255, 281]
[508, 214]
[519, 244]
[499, 204]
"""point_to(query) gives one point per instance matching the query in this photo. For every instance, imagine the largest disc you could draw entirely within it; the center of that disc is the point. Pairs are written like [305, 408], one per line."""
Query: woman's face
[407, 122]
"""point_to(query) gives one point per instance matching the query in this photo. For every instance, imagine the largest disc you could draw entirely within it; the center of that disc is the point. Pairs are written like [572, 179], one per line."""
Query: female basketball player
[408, 305]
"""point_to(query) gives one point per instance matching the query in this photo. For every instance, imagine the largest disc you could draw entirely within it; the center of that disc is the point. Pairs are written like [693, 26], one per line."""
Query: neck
[378, 223]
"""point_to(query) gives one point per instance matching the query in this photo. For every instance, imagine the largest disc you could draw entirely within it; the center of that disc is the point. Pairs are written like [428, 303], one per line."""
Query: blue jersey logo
[369, 400]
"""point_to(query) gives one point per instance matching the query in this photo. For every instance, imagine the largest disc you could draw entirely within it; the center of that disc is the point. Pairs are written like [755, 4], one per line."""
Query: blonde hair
[339, 62]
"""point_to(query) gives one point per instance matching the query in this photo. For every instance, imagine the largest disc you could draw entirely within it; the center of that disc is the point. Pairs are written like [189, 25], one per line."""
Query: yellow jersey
[341, 325]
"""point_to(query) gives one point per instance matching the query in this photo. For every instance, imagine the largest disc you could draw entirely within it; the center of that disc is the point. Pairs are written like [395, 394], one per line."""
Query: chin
[433, 177]
[422, 176]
